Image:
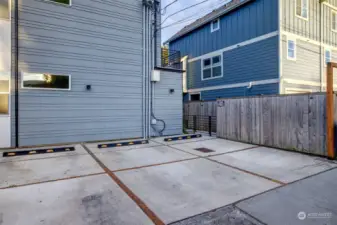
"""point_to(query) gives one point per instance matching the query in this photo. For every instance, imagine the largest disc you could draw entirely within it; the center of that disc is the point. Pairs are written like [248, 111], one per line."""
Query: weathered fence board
[293, 122]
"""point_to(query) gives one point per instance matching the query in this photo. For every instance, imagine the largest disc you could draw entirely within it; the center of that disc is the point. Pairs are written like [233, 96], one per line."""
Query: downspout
[144, 78]
[149, 70]
[16, 63]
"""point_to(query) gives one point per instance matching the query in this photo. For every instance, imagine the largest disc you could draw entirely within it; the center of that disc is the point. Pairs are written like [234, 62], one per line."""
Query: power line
[193, 17]
[164, 9]
[189, 7]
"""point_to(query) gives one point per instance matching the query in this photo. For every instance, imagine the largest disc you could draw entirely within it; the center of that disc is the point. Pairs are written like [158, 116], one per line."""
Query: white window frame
[327, 50]
[46, 89]
[59, 3]
[301, 16]
[334, 29]
[295, 48]
[211, 67]
[212, 27]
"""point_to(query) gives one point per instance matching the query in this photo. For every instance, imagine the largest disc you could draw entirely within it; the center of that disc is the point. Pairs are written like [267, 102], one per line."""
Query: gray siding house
[258, 47]
[80, 70]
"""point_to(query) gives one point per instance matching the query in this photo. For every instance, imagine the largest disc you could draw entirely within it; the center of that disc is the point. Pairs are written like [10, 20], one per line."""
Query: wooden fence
[292, 122]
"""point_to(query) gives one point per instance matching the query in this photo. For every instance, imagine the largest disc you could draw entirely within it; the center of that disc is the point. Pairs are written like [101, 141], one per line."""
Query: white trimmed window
[334, 21]
[327, 56]
[302, 8]
[212, 67]
[46, 81]
[291, 45]
[65, 2]
[215, 25]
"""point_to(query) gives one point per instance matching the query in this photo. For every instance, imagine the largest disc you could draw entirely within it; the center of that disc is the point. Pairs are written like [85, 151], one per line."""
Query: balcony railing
[170, 59]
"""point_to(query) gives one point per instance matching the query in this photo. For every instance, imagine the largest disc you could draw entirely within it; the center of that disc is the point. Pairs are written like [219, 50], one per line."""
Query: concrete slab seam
[273, 189]
[212, 210]
[234, 151]
[54, 180]
[249, 172]
[152, 165]
[233, 167]
[152, 216]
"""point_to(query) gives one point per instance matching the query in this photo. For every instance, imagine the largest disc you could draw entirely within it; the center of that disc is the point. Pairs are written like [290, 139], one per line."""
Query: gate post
[330, 111]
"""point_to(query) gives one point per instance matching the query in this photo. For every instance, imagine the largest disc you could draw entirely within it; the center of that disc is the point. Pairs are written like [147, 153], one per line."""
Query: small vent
[204, 150]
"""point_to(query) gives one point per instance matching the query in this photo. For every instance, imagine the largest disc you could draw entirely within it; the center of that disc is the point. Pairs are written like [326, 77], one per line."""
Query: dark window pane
[207, 73]
[216, 59]
[195, 97]
[4, 9]
[47, 81]
[207, 62]
[3, 104]
[62, 1]
[217, 71]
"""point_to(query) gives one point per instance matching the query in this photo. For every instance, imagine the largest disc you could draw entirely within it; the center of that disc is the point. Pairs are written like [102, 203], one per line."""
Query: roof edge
[217, 15]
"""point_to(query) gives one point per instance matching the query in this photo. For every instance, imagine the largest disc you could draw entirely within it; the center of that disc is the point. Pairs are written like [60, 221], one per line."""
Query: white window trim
[295, 46]
[59, 3]
[301, 17]
[325, 50]
[220, 64]
[333, 12]
[212, 29]
[302, 90]
[47, 89]
[194, 93]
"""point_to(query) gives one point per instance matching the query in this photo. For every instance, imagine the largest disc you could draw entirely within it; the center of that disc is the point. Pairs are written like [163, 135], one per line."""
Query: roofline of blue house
[199, 23]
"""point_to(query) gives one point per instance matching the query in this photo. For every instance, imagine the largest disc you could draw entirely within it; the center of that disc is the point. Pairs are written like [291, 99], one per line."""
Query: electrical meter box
[155, 76]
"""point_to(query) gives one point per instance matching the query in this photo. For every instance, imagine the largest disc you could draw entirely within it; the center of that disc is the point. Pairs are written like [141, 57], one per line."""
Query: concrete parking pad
[160, 140]
[180, 190]
[93, 146]
[228, 215]
[315, 197]
[79, 150]
[41, 170]
[276, 164]
[119, 160]
[219, 146]
[88, 200]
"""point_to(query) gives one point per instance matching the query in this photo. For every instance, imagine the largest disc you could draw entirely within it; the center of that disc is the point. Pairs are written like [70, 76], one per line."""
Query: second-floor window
[334, 21]
[302, 8]
[327, 55]
[215, 25]
[212, 68]
[291, 49]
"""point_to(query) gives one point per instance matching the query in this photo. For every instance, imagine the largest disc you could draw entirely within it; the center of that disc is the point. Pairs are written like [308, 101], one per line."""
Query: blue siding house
[258, 47]
[233, 51]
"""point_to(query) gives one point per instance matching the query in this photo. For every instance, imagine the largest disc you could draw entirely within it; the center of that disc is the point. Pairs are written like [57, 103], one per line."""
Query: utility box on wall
[155, 77]
[168, 102]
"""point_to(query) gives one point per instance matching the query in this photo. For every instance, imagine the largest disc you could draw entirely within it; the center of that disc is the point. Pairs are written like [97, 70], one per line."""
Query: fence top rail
[273, 95]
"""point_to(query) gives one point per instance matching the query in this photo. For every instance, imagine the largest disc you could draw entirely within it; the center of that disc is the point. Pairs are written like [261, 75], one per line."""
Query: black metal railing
[200, 123]
[170, 59]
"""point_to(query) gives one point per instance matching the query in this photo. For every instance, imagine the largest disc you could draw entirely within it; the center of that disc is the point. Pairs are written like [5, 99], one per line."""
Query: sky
[188, 16]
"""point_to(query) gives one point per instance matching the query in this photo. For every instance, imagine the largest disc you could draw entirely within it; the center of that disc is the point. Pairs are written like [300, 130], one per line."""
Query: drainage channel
[153, 217]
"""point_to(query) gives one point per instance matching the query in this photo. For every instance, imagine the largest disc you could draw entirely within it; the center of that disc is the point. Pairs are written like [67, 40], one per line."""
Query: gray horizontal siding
[316, 27]
[99, 43]
[308, 66]
[167, 106]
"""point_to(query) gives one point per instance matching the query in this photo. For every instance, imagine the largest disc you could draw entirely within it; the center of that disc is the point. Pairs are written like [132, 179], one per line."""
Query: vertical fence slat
[293, 122]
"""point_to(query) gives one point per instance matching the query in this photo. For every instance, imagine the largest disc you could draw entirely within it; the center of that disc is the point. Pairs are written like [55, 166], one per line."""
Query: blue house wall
[255, 61]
